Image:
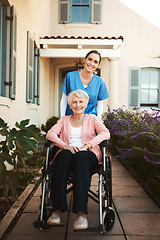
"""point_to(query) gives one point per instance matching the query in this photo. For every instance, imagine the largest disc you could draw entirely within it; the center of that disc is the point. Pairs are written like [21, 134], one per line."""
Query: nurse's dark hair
[96, 52]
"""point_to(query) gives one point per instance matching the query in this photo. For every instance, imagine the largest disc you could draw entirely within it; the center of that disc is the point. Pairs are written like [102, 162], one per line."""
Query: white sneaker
[81, 223]
[54, 219]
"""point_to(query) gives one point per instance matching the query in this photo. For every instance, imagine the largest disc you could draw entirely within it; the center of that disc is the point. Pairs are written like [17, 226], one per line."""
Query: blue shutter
[30, 61]
[35, 75]
[3, 50]
[38, 77]
[159, 90]
[1, 14]
[63, 11]
[134, 96]
[12, 92]
[96, 11]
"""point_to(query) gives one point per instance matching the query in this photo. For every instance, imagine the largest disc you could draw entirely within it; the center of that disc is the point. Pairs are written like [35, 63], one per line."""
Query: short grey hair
[78, 93]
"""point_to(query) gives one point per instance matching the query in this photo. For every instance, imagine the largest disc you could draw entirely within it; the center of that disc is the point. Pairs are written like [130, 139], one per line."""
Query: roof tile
[80, 37]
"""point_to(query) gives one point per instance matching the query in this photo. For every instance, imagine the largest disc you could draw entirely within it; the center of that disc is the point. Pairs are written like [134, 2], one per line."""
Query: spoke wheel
[108, 219]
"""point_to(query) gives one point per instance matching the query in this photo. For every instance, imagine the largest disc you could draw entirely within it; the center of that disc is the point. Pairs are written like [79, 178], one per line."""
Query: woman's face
[91, 63]
[78, 105]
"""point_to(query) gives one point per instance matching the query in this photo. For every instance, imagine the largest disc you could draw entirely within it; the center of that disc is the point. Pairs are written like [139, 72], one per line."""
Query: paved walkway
[137, 217]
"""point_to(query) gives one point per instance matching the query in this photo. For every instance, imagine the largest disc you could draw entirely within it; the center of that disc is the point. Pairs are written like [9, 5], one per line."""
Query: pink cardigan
[93, 131]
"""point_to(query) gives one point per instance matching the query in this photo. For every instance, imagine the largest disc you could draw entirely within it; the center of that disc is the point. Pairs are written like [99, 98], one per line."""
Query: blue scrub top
[96, 90]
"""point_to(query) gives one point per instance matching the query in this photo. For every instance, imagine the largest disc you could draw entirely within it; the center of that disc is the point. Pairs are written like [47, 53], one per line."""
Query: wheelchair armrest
[48, 143]
[104, 143]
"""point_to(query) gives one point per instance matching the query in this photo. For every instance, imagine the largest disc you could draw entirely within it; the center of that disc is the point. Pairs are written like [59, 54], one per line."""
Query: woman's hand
[86, 146]
[73, 149]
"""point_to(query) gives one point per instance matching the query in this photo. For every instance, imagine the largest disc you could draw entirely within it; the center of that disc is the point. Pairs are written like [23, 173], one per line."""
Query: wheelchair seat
[103, 197]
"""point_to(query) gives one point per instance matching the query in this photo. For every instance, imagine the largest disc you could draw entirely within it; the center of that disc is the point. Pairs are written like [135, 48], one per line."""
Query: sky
[149, 9]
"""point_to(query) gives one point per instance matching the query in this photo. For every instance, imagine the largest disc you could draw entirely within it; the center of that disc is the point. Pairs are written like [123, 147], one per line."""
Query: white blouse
[75, 139]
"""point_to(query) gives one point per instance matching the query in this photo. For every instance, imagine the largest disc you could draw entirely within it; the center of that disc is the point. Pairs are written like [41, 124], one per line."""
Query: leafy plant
[37, 159]
[16, 146]
[50, 123]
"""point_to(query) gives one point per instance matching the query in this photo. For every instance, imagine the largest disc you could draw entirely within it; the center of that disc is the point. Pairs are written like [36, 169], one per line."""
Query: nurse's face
[91, 62]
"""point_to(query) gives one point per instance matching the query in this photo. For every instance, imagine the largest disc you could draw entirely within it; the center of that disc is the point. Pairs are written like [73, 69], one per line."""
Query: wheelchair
[103, 197]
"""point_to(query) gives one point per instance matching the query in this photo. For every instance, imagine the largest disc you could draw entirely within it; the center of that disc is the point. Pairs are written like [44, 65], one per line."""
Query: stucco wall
[141, 38]
[33, 16]
[141, 44]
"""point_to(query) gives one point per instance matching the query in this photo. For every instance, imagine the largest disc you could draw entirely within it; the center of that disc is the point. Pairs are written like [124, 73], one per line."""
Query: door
[62, 74]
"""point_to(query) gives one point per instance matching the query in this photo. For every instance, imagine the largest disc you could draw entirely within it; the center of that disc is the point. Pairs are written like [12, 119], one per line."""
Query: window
[8, 48]
[145, 87]
[33, 70]
[80, 11]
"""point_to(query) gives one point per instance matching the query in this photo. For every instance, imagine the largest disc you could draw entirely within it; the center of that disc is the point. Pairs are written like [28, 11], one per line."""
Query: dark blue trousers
[80, 163]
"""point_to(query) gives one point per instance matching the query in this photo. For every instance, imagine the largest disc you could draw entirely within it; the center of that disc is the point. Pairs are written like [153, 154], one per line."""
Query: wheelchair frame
[103, 196]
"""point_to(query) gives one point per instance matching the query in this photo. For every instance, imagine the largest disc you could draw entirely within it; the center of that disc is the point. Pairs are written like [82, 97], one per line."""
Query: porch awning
[69, 47]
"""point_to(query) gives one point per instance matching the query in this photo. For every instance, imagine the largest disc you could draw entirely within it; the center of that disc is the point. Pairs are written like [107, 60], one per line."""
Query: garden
[135, 141]
[20, 160]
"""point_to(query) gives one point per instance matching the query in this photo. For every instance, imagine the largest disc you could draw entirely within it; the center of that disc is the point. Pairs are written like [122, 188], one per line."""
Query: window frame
[149, 88]
[81, 5]
[141, 104]
[66, 6]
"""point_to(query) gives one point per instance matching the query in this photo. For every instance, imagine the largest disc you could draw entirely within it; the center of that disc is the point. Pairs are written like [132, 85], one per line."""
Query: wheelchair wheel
[108, 219]
[108, 181]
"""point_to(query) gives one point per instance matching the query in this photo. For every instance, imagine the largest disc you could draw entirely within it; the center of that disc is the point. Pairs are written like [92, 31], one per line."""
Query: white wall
[141, 39]
[33, 16]
[141, 44]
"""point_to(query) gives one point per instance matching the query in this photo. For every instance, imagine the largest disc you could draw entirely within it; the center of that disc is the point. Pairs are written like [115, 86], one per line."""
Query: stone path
[137, 217]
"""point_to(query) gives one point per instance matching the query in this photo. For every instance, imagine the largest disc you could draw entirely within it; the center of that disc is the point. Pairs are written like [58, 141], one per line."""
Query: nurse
[87, 81]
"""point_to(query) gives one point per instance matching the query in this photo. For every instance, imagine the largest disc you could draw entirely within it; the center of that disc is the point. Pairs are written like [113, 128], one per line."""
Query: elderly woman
[77, 136]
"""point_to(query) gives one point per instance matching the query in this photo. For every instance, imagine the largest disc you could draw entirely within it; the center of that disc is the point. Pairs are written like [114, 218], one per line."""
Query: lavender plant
[135, 140]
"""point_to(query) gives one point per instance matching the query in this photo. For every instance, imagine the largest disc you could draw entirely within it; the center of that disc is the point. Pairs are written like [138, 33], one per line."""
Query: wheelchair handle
[104, 143]
[48, 143]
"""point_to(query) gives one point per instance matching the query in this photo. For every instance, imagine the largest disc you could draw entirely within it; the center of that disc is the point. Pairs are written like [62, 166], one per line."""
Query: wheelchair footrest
[101, 228]
[40, 225]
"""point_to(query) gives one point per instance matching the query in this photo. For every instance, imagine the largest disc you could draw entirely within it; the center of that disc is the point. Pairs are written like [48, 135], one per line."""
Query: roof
[72, 46]
[80, 37]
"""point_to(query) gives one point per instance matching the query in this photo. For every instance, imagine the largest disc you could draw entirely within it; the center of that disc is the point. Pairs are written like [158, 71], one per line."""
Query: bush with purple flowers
[135, 140]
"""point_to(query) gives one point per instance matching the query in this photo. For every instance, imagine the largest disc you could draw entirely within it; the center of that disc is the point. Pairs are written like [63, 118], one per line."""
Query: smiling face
[92, 62]
[78, 105]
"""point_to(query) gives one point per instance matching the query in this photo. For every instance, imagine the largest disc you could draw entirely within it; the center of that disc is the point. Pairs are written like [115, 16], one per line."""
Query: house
[40, 41]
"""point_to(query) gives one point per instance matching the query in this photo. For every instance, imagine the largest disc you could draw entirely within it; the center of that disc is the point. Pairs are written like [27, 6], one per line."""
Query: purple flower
[123, 151]
[145, 133]
[157, 176]
[152, 153]
[148, 160]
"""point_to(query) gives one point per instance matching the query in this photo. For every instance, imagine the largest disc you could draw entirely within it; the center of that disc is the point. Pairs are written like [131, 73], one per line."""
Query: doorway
[62, 74]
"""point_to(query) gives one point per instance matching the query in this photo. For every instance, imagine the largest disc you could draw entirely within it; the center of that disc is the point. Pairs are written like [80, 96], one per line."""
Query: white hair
[78, 93]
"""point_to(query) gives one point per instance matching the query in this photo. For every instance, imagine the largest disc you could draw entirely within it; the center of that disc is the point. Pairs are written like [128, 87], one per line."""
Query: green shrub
[50, 123]
[18, 144]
